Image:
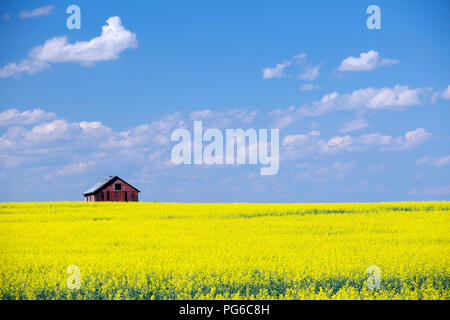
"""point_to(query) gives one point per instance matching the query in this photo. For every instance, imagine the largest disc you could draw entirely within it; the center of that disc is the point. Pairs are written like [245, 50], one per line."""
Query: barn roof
[104, 183]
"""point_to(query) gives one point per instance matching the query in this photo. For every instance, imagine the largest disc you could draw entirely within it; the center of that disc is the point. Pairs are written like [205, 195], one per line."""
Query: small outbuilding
[112, 189]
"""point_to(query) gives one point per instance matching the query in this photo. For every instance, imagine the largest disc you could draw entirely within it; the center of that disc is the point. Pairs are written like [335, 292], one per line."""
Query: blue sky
[363, 114]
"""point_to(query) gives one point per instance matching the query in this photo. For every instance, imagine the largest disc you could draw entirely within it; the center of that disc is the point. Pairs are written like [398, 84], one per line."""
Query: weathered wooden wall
[127, 193]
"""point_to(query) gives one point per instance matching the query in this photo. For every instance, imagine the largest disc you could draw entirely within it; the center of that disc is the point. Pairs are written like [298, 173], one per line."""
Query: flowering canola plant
[224, 251]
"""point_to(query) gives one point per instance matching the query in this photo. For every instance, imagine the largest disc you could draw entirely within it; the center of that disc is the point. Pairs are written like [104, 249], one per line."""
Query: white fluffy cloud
[275, 72]
[446, 93]
[28, 66]
[59, 129]
[113, 40]
[311, 73]
[299, 139]
[302, 145]
[410, 140]
[413, 139]
[14, 117]
[223, 119]
[397, 98]
[365, 62]
[370, 98]
[299, 58]
[309, 87]
[37, 12]
[436, 162]
[37, 139]
[282, 118]
[73, 148]
[146, 136]
[354, 125]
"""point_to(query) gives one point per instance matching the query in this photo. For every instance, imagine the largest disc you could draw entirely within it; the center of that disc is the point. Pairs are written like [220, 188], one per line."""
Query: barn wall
[116, 196]
[125, 186]
[98, 197]
[110, 194]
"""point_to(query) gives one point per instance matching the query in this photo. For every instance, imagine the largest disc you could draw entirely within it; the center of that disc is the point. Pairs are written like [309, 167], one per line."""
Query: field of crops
[224, 251]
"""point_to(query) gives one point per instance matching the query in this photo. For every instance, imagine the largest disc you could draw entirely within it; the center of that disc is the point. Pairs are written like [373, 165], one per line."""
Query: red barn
[112, 189]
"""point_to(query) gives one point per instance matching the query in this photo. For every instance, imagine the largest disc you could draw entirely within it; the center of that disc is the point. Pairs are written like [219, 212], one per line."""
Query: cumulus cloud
[282, 118]
[223, 119]
[436, 162]
[309, 87]
[336, 144]
[365, 62]
[311, 73]
[446, 93]
[59, 129]
[297, 146]
[354, 125]
[299, 58]
[74, 148]
[299, 139]
[397, 98]
[413, 139]
[37, 12]
[156, 134]
[49, 134]
[28, 66]
[370, 98]
[14, 117]
[410, 140]
[302, 145]
[275, 72]
[113, 40]
[35, 139]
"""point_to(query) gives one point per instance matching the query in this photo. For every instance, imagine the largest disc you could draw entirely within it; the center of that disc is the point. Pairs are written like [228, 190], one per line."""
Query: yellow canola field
[224, 251]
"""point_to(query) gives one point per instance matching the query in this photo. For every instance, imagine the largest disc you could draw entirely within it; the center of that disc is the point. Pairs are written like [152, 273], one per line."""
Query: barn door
[126, 198]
